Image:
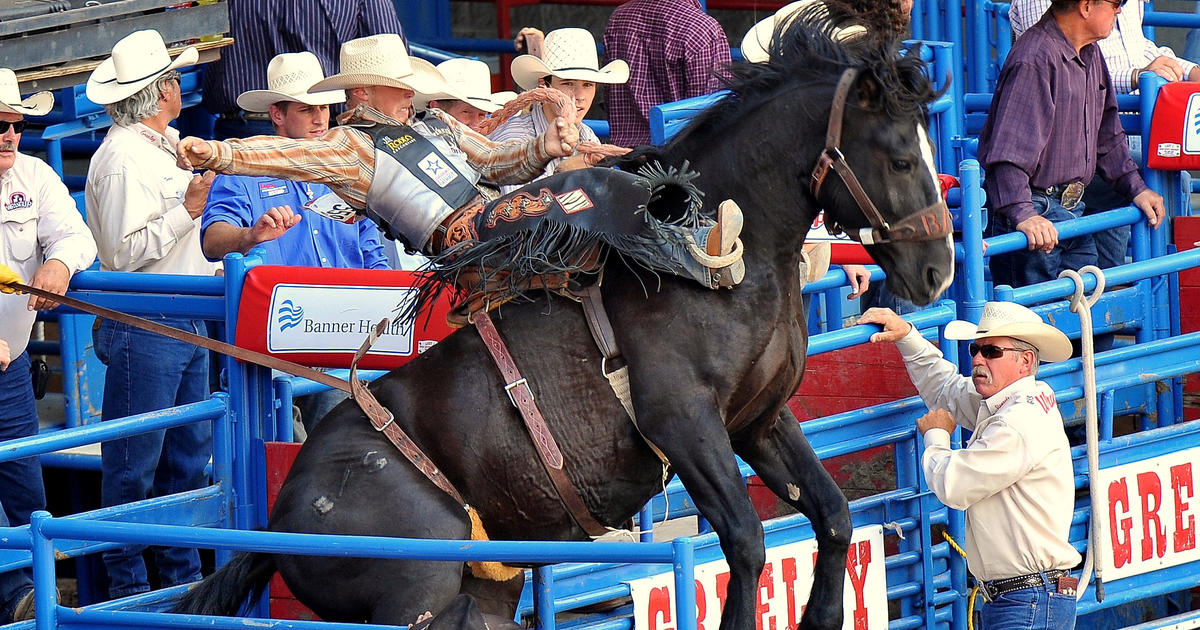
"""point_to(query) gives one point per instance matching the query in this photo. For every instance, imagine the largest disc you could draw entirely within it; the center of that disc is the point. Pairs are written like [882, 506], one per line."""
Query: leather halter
[930, 223]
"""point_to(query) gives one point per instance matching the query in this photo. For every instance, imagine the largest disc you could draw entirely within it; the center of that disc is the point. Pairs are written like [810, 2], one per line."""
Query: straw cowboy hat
[568, 53]
[470, 81]
[10, 97]
[758, 38]
[382, 60]
[289, 75]
[137, 60]
[1005, 319]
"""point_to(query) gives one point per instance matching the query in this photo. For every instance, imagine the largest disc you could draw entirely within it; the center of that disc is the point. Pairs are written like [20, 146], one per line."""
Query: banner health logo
[1191, 125]
[18, 201]
[290, 315]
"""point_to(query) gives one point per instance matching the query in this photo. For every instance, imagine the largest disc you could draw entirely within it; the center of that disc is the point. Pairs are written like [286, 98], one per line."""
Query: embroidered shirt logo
[574, 201]
[1191, 125]
[437, 170]
[18, 201]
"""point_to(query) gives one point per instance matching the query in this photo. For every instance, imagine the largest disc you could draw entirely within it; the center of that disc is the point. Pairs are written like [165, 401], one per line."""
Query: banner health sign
[783, 588]
[316, 318]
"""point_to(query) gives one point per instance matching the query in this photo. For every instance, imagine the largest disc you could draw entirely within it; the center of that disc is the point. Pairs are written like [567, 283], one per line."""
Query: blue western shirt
[315, 241]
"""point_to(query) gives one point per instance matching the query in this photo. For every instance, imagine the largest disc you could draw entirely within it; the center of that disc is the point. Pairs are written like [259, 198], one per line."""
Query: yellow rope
[974, 590]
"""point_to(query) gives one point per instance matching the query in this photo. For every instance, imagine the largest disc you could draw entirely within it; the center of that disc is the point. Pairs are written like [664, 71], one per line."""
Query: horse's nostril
[933, 276]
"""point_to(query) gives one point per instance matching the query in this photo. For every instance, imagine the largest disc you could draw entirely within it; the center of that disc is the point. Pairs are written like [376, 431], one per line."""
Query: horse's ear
[868, 91]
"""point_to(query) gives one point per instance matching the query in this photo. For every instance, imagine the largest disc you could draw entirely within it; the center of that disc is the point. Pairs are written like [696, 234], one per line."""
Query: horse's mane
[804, 53]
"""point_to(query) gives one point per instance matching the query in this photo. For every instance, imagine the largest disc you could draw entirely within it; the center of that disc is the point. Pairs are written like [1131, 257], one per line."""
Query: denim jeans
[21, 489]
[1036, 608]
[1024, 267]
[1111, 244]
[149, 372]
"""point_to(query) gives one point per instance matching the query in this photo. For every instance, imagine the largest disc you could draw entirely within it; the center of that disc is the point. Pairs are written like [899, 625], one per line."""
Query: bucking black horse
[710, 371]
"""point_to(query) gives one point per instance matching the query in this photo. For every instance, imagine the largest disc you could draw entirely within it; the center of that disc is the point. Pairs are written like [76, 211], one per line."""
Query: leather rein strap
[380, 417]
[522, 398]
[251, 356]
[384, 421]
[930, 223]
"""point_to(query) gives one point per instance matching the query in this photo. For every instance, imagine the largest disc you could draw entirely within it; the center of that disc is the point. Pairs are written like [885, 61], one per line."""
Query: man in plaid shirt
[674, 51]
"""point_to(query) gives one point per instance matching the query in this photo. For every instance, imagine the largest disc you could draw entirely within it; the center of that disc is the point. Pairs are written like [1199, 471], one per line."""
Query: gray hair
[1023, 346]
[143, 104]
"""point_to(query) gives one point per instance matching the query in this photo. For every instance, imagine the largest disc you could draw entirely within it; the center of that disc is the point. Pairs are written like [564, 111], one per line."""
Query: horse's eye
[901, 166]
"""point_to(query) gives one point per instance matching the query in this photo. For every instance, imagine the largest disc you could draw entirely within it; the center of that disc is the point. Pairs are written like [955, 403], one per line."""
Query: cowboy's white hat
[289, 75]
[758, 38]
[381, 60]
[470, 81]
[10, 97]
[568, 53]
[137, 60]
[1006, 319]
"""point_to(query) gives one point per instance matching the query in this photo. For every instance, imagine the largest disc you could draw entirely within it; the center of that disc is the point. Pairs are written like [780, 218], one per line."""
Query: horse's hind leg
[786, 462]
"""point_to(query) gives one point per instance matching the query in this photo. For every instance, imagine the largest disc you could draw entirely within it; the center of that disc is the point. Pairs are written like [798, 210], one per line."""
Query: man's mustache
[982, 371]
[8, 146]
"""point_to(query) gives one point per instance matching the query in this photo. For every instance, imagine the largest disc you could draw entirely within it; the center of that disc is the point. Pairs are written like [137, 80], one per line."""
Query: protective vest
[421, 176]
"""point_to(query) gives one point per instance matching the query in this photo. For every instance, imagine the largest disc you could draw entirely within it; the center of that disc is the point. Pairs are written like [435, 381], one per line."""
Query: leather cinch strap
[521, 396]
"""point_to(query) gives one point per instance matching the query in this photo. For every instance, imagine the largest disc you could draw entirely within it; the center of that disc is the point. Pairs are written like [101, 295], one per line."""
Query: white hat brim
[758, 38]
[527, 69]
[1051, 343]
[425, 79]
[490, 103]
[103, 88]
[37, 105]
[261, 100]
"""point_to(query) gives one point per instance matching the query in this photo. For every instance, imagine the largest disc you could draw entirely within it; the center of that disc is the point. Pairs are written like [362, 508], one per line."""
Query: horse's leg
[786, 462]
[700, 454]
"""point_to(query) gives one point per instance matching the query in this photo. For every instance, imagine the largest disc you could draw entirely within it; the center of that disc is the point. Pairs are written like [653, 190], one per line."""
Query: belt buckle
[1071, 195]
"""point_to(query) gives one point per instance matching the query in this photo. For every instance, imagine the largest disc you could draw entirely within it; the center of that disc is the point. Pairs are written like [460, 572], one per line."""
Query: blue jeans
[1111, 244]
[1035, 608]
[1024, 267]
[149, 372]
[21, 489]
[1191, 52]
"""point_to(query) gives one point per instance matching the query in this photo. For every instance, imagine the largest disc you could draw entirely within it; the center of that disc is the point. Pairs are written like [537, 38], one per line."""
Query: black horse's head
[851, 116]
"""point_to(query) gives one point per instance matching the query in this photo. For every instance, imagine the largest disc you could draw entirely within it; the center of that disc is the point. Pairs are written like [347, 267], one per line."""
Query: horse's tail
[230, 587]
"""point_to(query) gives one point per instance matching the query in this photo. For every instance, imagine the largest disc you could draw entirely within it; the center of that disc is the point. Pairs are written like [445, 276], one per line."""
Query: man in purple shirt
[674, 51]
[1053, 123]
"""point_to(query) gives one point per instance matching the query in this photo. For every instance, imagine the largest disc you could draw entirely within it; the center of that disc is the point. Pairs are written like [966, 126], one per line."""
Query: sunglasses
[17, 126]
[990, 351]
[1117, 4]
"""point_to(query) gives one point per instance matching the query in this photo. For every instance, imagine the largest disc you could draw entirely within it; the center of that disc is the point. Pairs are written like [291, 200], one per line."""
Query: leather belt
[1068, 195]
[521, 396]
[437, 242]
[996, 588]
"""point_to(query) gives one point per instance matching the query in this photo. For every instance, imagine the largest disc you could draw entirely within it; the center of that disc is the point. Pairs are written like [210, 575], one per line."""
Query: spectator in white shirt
[43, 242]
[145, 213]
[1014, 476]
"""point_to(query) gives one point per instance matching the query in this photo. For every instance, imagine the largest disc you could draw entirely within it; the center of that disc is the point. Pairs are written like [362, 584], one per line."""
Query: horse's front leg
[695, 442]
[786, 462]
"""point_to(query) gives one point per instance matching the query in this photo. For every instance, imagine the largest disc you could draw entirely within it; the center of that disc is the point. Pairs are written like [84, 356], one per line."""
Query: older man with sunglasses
[1013, 477]
[43, 242]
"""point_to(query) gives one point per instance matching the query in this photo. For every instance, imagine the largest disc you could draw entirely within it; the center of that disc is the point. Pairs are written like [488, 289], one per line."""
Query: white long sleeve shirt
[135, 207]
[1013, 478]
[38, 222]
[1124, 50]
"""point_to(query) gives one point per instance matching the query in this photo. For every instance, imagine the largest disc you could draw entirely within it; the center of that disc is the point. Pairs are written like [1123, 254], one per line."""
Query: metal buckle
[515, 384]
[1071, 195]
[391, 419]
